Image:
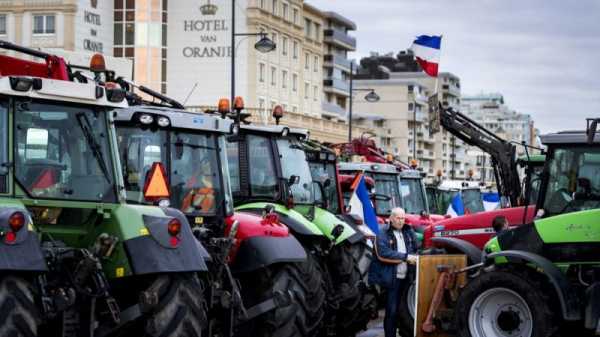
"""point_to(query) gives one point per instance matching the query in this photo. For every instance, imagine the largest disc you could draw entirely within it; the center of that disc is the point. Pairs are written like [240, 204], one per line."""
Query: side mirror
[293, 180]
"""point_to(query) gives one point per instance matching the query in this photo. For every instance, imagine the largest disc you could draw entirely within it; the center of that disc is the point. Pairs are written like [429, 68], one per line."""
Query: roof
[368, 167]
[62, 91]
[179, 118]
[275, 129]
[569, 137]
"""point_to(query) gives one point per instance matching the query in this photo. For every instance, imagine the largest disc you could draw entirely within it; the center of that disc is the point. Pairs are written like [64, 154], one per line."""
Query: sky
[542, 55]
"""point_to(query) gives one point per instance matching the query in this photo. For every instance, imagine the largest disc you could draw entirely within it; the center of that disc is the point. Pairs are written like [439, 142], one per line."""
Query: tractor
[78, 259]
[270, 173]
[543, 278]
[251, 284]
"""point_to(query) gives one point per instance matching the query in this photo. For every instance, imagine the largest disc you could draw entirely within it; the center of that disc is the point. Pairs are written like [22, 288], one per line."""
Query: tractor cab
[458, 197]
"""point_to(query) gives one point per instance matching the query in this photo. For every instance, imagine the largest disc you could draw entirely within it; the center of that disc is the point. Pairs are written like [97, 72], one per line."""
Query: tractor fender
[293, 224]
[352, 222]
[592, 308]
[465, 247]
[24, 253]
[154, 253]
[569, 303]
[262, 251]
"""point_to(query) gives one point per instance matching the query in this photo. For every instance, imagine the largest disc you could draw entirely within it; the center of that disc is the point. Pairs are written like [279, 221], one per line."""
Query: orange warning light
[156, 186]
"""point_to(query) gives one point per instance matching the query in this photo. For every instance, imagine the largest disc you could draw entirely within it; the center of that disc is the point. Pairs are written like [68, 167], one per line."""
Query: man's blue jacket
[385, 262]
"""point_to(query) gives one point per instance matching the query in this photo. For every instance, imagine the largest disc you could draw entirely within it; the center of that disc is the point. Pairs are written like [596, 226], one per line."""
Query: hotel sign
[94, 27]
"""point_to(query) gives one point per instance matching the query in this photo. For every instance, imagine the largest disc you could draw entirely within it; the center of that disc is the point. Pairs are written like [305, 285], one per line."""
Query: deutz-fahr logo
[94, 3]
[208, 8]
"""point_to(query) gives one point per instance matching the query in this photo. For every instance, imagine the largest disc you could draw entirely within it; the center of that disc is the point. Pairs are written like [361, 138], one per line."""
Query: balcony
[336, 85]
[335, 60]
[339, 38]
[419, 97]
[451, 89]
[334, 110]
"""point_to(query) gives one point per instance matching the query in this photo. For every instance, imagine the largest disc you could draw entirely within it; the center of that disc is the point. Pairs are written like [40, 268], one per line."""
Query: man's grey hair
[397, 211]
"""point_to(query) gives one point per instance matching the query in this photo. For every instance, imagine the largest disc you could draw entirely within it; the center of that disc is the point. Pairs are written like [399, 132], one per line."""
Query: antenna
[190, 94]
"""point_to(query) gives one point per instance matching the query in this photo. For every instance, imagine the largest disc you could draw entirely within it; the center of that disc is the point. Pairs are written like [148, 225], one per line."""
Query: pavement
[375, 327]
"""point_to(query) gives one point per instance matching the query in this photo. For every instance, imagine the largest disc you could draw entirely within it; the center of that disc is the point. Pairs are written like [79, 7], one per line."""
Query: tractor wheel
[348, 266]
[180, 310]
[504, 303]
[406, 309]
[302, 317]
[19, 315]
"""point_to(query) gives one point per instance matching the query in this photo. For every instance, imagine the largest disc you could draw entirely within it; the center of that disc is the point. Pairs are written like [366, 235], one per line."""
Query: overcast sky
[542, 55]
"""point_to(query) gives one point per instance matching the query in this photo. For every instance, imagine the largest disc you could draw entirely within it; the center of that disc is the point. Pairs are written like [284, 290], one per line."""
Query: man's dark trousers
[391, 307]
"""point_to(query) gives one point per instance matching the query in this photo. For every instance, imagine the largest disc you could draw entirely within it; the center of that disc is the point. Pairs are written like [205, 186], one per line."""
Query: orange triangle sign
[156, 186]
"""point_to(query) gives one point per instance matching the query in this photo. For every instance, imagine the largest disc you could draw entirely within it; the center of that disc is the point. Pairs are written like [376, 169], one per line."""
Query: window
[295, 51]
[273, 76]
[307, 28]
[2, 24]
[44, 24]
[317, 32]
[274, 38]
[294, 109]
[410, 106]
[316, 63]
[261, 72]
[295, 16]
[3, 147]
[261, 104]
[284, 45]
[284, 78]
[275, 7]
[306, 61]
[315, 92]
[306, 90]
[262, 4]
[295, 82]
[284, 11]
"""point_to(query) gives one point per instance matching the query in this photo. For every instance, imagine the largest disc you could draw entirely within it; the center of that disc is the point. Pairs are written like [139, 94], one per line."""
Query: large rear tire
[302, 317]
[349, 266]
[19, 315]
[504, 303]
[181, 307]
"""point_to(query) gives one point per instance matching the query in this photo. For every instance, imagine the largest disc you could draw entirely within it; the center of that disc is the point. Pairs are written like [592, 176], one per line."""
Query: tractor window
[472, 200]
[386, 186]
[293, 162]
[413, 198]
[63, 152]
[573, 181]
[322, 172]
[233, 161]
[263, 181]
[3, 147]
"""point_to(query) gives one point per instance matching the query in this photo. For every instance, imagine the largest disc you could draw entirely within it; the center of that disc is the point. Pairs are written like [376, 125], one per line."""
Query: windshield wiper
[194, 146]
[86, 128]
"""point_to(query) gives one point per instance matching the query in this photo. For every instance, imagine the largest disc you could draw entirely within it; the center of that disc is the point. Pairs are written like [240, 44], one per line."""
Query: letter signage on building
[199, 50]
[94, 26]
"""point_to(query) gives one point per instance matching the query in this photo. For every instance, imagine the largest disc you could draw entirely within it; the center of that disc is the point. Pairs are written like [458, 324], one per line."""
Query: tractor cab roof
[178, 118]
[58, 90]
[569, 137]
[459, 185]
[368, 167]
[275, 129]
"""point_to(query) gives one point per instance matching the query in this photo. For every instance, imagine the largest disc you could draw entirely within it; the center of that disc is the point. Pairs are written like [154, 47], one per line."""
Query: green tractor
[251, 285]
[270, 173]
[77, 259]
[544, 276]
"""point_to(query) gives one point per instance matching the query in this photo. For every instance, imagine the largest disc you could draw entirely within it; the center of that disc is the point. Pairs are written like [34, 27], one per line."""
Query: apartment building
[336, 65]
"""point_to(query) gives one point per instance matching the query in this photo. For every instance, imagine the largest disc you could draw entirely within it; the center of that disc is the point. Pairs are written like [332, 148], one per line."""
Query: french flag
[427, 52]
[361, 206]
[456, 207]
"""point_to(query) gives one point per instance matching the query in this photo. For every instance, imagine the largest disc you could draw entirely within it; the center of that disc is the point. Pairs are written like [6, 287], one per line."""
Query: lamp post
[264, 45]
[371, 97]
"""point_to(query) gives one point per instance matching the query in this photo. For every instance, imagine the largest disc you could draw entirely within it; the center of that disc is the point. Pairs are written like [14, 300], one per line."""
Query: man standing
[396, 244]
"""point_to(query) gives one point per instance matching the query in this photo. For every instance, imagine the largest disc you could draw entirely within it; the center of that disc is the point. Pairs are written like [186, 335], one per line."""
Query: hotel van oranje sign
[93, 19]
[208, 32]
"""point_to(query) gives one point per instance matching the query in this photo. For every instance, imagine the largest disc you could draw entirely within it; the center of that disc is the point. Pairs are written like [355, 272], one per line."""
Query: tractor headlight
[146, 119]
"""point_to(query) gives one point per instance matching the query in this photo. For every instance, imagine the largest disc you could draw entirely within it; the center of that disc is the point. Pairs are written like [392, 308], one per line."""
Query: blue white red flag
[491, 200]
[456, 206]
[427, 52]
[360, 205]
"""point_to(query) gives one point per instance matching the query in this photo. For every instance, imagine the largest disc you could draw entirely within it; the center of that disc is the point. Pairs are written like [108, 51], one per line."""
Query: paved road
[375, 327]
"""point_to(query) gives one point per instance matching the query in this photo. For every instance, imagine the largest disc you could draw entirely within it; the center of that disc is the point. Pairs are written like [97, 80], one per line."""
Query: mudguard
[154, 253]
[569, 303]
[262, 251]
[24, 253]
[326, 221]
[465, 247]
[296, 222]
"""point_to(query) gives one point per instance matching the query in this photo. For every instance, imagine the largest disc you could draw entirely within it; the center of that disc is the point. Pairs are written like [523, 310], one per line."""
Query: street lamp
[371, 97]
[264, 45]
